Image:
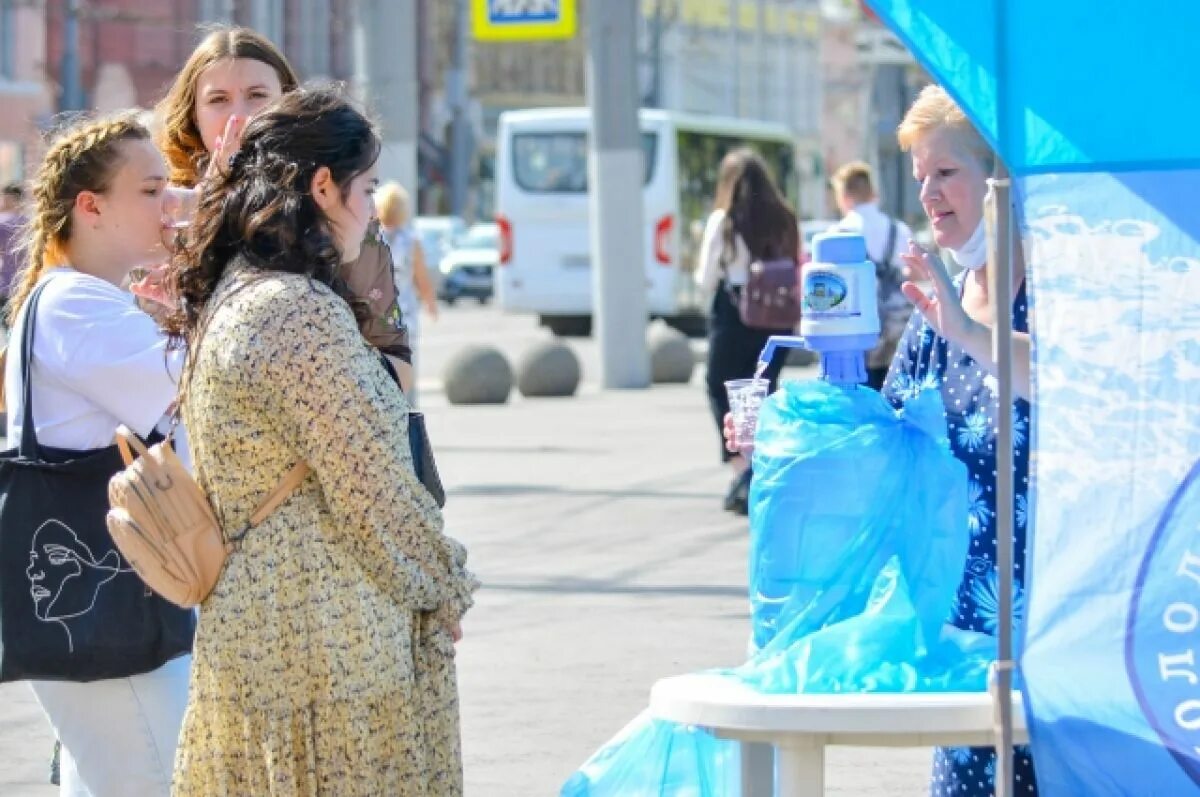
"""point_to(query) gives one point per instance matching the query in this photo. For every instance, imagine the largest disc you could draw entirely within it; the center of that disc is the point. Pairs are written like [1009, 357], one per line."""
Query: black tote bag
[71, 608]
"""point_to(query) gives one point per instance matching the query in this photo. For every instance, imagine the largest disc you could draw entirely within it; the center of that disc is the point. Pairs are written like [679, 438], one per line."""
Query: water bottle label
[828, 295]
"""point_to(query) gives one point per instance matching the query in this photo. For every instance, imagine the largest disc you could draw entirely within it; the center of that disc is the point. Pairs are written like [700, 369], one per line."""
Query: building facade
[25, 95]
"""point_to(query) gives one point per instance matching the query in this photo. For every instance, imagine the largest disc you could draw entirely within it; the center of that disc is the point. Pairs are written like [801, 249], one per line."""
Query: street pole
[385, 67]
[460, 128]
[615, 197]
[735, 33]
[72, 81]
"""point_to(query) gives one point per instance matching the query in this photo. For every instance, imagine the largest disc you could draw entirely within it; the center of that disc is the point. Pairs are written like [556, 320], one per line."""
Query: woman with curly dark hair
[324, 658]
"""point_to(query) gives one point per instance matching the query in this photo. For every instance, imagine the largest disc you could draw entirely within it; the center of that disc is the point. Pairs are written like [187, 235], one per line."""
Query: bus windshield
[557, 163]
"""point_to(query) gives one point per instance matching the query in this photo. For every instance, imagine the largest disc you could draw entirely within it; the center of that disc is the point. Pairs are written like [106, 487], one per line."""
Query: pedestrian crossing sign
[522, 20]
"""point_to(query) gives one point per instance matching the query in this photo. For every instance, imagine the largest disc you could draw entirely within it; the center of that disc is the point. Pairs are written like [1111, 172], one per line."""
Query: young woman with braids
[231, 75]
[99, 362]
[324, 658]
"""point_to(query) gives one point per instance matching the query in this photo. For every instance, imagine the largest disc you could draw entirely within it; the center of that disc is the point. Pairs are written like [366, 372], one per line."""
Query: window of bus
[557, 163]
[700, 157]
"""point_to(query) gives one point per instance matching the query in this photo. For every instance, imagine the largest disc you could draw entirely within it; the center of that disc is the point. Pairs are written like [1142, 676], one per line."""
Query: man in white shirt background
[886, 239]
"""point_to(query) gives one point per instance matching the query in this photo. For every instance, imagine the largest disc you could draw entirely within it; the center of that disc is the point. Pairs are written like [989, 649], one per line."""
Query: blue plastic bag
[843, 483]
[653, 758]
[858, 525]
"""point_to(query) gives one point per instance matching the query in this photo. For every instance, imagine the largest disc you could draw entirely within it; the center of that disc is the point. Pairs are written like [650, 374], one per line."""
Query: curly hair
[261, 212]
[180, 139]
[84, 157]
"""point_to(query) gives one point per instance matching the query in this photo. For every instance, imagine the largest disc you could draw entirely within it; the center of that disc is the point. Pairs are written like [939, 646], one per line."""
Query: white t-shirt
[98, 362]
[712, 245]
[873, 224]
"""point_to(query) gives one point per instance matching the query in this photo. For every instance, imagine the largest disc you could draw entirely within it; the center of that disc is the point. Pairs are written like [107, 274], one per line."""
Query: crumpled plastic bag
[842, 484]
[858, 523]
[654, 758]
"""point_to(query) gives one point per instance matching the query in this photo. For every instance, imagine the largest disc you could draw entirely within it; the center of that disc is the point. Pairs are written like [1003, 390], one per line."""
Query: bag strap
[884, 263]
[132, 447]
[287, 485]
[29, 442]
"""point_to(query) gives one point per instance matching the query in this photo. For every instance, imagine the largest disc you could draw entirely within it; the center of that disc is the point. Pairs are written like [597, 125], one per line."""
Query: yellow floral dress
[322, 662]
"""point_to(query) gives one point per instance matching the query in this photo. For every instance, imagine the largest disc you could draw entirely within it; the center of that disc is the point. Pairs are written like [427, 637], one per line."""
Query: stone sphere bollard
[547, 369]
[477, 375]
[671, 356]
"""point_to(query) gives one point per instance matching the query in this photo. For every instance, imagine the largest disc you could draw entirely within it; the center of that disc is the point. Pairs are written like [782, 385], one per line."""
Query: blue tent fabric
[1088, 85]
[1090, 104]
[1113, 619]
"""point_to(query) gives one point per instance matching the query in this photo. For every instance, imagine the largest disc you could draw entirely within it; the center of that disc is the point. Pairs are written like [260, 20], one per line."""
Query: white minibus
[542, 208]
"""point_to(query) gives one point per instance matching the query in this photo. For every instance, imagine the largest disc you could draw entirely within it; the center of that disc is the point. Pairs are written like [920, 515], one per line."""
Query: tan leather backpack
[163, 525]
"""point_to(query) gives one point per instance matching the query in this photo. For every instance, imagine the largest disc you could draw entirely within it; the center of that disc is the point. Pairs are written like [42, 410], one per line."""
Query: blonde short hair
[391, 204]
[932, 109]
[854, 180]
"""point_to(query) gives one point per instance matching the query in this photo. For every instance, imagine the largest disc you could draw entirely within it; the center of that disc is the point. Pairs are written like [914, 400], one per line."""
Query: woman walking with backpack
[750, 222]
[97, 362]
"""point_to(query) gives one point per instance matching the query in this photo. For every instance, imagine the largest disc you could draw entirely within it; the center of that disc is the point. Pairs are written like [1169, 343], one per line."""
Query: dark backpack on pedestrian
[887, 278]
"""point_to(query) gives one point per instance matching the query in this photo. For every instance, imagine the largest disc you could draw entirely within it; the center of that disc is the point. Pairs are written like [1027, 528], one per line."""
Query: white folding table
[799, 727]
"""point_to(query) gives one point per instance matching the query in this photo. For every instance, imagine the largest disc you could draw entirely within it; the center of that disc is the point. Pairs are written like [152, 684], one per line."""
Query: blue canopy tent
[1094, 108]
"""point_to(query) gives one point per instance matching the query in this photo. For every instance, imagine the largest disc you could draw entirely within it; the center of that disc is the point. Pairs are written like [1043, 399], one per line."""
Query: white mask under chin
[973, 254]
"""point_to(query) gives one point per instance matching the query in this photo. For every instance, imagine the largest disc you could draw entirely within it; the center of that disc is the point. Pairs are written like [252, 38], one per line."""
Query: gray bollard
[477, 375]
[549, 368]
[671, 356]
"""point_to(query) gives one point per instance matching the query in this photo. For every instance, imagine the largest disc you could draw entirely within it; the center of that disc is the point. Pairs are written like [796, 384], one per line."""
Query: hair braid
[83, 158]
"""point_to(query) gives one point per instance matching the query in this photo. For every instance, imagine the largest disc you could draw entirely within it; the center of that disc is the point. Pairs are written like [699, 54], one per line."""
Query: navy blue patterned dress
[924, 360]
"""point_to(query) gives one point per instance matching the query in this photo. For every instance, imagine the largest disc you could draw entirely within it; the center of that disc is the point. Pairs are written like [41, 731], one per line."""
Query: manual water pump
[839, 309]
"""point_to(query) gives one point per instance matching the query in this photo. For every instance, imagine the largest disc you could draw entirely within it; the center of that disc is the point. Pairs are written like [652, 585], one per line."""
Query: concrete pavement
[595, 525]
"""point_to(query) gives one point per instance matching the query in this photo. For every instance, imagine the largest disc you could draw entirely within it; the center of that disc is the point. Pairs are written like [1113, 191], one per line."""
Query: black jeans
[733, 350]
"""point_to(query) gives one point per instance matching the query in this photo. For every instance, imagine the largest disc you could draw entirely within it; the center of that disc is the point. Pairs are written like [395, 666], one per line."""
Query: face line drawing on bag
[58, 557]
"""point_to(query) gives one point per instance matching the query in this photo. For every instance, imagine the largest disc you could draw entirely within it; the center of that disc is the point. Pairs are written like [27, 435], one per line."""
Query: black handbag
[71, 609]
[418, 444]
[422, 454]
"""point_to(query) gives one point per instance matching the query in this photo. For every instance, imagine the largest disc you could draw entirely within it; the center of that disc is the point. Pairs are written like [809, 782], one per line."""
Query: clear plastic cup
[745, 398]
[179, 206]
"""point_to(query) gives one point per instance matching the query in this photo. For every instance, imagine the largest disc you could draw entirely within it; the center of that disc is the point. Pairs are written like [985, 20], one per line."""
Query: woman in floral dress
[324, 658]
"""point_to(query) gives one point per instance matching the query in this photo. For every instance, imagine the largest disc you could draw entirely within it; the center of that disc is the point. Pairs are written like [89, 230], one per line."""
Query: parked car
[467, 270]
[437, 235]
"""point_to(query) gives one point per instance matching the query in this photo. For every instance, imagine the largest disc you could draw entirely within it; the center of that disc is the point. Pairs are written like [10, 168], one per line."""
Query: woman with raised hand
[98, 362]
[948, 347]
[324, 658]
[233, 74]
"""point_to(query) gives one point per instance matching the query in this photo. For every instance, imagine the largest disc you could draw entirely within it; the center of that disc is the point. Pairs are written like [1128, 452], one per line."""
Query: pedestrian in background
[414, 287]
[750, 221]
[98, 362]
[12, 256]
[234, 73]
[887, 241]
[324, 657]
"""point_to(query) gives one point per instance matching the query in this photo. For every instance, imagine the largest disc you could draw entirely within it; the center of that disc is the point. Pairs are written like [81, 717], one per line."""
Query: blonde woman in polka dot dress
[947, 347]
[324, 659]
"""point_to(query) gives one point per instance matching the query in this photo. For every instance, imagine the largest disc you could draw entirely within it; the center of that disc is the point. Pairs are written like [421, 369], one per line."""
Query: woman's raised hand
[227, 143]
[943, 310]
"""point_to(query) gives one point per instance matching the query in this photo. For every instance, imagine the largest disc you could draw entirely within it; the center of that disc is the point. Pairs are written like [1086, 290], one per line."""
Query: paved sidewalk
[595, 525]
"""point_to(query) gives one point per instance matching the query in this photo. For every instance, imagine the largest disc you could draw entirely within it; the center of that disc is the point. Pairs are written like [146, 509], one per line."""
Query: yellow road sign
[522, 20]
